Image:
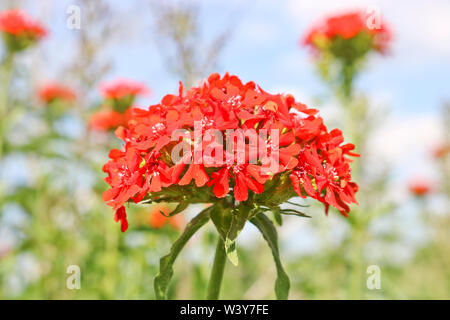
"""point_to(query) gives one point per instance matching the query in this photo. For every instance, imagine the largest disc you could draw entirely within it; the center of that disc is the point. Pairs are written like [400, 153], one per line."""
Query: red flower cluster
[441, 151]
[19, 24]
[348, 26]
[420, 187]
[313, 160]
[121, 88]
[54, 91]
[109, 120]
[120, 94]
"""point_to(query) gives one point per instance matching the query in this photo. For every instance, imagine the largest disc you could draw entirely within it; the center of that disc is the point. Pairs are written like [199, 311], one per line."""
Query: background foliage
[52, 215]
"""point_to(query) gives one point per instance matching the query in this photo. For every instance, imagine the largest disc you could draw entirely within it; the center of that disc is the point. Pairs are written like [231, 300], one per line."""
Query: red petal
[307, 184]
[133, 159]
[155, 185]
[255, 172]
[201, 177]
[110, 194]
[254, 186]
[221, 183]
[296, 184]
[240, 188]
[121, 215]
[115, 154]
[188, 176]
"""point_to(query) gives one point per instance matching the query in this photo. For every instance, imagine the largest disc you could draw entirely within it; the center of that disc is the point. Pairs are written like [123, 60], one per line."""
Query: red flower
[157, 220]
[312, 177]
[235, 139]
[157, 174]
[347, 26]
[121, 88]
[246, 177]
[125, 176]
[54, 91]
[19, 24]
[420, 187]
[108, 120]
[441, 151]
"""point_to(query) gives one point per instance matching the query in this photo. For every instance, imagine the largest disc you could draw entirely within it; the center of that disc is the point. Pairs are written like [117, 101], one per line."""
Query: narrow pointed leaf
[277, 217]
[292, 212]
[267, 228]
[230, 249]
[162, 279]
[180, 207]
[229, 223]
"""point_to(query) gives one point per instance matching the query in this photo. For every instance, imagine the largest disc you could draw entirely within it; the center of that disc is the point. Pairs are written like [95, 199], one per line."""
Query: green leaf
[266, 227]
[230, 250]
[292, 212]
[277, 217]
[297, 204]
[162, 279]
[229, 223]
[180, 208]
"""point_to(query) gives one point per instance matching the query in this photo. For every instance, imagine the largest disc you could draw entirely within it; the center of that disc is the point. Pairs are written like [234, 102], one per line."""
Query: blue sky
[264, 47]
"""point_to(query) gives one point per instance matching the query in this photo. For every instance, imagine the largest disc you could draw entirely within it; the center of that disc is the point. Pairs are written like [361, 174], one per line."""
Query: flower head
[440, 151]
[120, 88]
[347, 27]
[20, 30]
[226, 140]
[121, 93]
[53, 91]
[420, 187]
[105, 120]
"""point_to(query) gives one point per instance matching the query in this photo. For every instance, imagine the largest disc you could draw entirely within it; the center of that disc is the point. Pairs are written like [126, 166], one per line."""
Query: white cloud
[407, 142]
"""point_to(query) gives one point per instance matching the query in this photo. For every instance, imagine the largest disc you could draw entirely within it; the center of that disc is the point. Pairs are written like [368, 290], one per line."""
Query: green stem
[7, 70]
[356, 272]
[215, 280]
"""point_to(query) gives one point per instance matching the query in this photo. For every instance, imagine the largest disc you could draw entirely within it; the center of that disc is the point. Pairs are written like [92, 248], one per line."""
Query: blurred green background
[51, 212]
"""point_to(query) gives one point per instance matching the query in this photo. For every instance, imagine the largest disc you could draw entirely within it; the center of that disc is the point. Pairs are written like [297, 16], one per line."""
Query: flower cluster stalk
[217, 271]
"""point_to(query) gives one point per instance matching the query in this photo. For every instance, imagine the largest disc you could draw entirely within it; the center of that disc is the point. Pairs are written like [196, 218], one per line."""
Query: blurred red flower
[441, 151]
[54, 91]
[121, 88]
[308, 159]
[420, 187]
[157, 220]
[19, 24]
[347, 26]
[105, 120]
